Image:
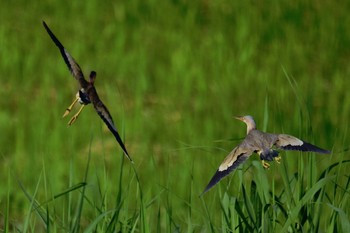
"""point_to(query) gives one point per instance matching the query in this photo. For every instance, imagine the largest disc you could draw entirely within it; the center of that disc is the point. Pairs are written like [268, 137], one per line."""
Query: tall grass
[173, 73]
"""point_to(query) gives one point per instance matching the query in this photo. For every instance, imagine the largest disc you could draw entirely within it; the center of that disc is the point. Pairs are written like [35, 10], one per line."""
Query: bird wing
[237, 156]
[288, 142]
[73, 66]
[103, 112]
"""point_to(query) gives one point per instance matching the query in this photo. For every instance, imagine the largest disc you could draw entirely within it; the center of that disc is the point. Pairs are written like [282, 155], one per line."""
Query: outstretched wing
[288, 142]
[237, 156]
[68, 59]
[106, 117]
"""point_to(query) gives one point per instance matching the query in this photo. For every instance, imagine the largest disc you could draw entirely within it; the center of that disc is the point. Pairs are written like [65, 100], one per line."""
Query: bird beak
[239, 118]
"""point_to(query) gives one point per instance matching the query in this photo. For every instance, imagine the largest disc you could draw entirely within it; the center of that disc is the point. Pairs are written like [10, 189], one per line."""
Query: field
[173, 74]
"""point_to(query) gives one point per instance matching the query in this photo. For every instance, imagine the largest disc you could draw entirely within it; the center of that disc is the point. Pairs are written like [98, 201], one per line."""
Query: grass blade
[294, 213]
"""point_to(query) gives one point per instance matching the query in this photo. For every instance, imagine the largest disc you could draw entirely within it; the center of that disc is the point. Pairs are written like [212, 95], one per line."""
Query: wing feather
[288, 142]
[231, 162]
[103, 112]
[72, 65]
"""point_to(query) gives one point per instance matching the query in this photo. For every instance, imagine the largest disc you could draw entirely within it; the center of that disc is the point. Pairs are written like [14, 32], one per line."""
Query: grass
[173, 73]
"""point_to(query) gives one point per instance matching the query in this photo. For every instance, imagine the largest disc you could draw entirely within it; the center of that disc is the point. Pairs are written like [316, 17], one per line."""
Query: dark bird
[261, 143]
[87, 94]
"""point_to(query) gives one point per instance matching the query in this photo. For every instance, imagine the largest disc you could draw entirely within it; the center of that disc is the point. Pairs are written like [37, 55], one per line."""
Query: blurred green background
[173, 74]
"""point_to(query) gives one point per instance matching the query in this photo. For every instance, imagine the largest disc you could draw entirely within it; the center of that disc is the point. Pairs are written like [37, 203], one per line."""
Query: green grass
[173, 73]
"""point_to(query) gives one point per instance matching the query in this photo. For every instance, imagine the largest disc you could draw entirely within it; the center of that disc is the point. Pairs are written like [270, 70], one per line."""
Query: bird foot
[66, 113]
[74, 118]
[265, 164]
[70, 107]
[278, 159]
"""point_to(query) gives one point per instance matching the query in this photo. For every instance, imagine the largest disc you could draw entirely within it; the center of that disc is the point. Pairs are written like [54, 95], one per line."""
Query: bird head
[249, 122]
[92, 77]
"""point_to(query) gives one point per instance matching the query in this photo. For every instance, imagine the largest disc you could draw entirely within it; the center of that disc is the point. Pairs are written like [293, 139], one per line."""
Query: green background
[173, 74]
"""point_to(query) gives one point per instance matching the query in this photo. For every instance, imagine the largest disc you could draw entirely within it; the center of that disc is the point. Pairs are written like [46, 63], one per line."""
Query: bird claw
[75, 117]
[66, 113]
[278, 159]
[72, 120]
[265, 164]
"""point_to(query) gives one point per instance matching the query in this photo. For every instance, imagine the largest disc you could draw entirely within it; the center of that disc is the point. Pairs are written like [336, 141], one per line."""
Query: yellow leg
[70, 107]
[76, 115]
[278, 159]
[265, 164]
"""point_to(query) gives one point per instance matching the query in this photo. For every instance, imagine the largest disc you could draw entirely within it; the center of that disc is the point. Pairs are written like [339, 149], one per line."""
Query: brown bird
[87, 94]
[261, 143]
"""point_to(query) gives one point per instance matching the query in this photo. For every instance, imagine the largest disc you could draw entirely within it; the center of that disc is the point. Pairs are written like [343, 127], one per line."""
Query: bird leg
[70, 107]
[278, 159]
[265, 164]
[76, 115]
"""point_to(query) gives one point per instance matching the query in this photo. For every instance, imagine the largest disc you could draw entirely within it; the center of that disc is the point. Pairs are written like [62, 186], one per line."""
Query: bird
[87, 94]
[266, 145]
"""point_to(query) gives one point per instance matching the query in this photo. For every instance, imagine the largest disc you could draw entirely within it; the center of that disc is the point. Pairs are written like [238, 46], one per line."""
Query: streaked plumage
[87, 94]
[261, 143]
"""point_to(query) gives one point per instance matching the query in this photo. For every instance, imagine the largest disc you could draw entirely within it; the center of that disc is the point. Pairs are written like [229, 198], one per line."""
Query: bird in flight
[264, 144]
[87, 94]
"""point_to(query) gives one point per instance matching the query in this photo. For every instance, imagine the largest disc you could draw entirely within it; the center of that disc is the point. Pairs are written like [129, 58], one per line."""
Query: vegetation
[173, 73]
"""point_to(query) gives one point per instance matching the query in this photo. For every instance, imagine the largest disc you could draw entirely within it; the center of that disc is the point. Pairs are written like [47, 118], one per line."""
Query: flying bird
[87, 94]
[264, 144]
